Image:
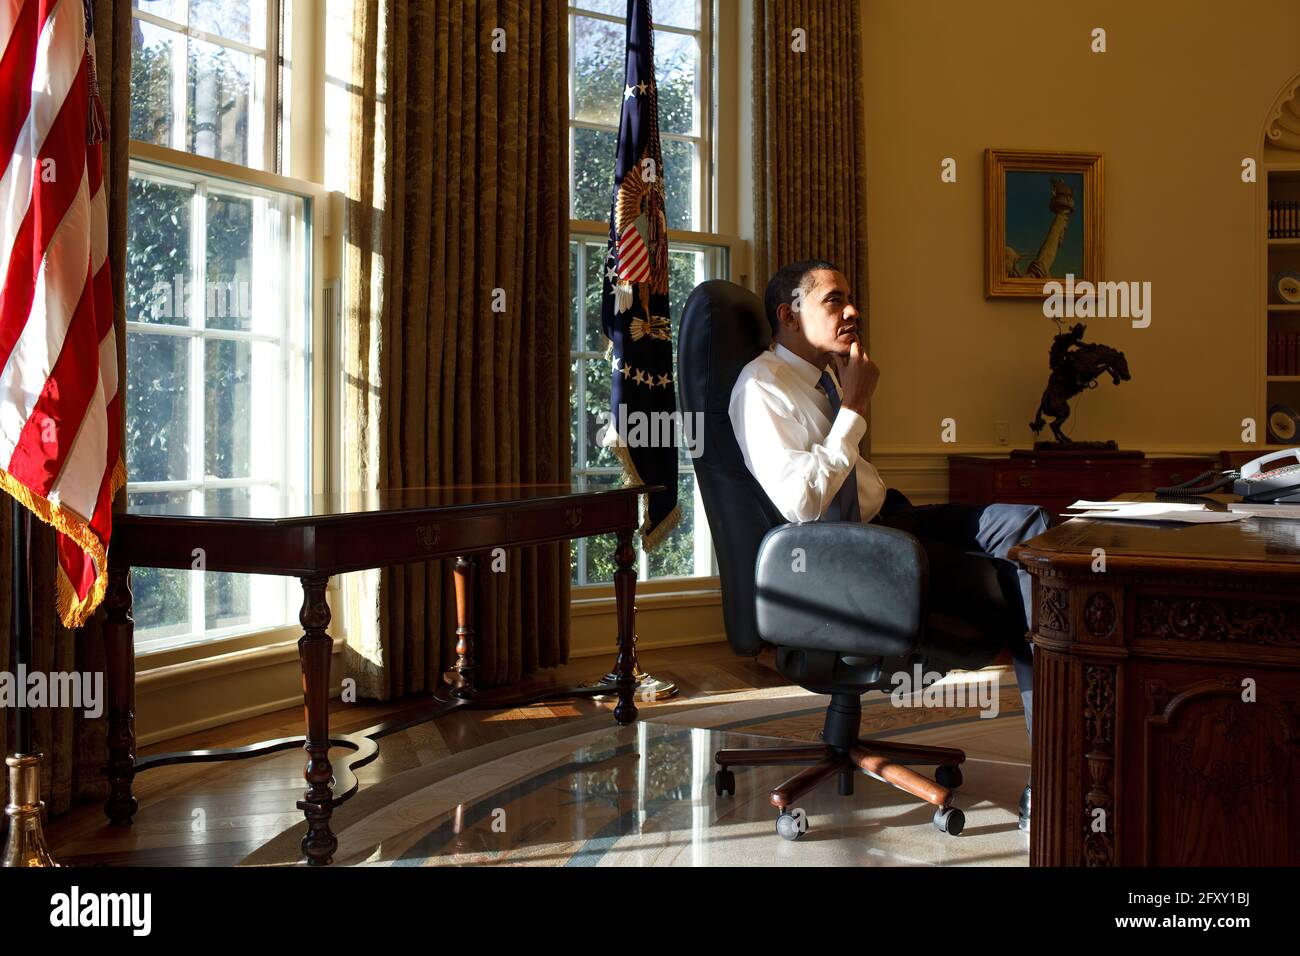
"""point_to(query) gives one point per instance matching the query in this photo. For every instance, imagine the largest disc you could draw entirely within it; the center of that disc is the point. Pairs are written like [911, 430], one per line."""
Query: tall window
[683, 62]
[219, 267]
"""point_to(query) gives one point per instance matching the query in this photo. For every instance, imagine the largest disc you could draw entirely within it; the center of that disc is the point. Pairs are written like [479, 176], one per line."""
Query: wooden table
[1166, 693]
[313, 538]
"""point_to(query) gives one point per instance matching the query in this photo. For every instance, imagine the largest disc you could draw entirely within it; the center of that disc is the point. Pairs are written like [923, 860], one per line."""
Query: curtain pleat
[809, 139]
[470, 212]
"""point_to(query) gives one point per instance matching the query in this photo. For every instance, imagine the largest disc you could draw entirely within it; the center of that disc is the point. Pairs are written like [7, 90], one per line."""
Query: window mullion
[198, 320]
[580, 285]
[179, 45]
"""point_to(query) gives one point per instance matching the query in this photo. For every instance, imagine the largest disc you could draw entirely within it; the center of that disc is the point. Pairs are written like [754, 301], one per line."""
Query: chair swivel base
[884, 760]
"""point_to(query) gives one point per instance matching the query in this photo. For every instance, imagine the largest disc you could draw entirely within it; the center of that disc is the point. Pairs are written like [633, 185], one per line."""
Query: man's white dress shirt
[800, 457]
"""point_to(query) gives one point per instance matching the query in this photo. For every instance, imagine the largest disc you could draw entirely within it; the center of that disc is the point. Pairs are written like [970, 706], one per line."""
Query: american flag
[60, 408]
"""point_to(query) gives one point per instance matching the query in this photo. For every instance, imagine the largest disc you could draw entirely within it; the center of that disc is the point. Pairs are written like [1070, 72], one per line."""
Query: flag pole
[25, 841]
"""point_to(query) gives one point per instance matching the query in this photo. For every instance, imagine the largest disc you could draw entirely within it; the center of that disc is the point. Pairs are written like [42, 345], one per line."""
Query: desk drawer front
[576, 520]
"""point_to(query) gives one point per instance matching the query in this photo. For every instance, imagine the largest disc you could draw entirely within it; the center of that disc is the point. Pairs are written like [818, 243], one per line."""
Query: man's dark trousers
[970, 575]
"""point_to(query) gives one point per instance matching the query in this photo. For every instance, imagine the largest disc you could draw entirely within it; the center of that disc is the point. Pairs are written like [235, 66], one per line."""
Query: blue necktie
[845, 505]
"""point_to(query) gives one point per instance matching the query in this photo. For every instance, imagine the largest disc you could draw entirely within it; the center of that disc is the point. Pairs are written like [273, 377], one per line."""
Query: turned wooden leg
[119, 652]
[625, 602]
[314, 647]
[460, 678]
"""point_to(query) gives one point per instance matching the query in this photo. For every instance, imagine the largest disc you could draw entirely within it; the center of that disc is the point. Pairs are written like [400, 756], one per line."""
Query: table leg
[460, 678]
[119, 653]
[625, 610]
[314, 648]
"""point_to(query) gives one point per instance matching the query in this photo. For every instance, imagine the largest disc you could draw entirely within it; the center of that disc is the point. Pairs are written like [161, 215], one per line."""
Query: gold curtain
[810, 151]
[72, 743]
[458, 196]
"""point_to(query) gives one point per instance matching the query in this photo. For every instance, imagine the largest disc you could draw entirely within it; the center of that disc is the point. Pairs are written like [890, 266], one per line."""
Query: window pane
[226, 596]
[685, 272]
[228, 410]
[160, 597]
[679, 184]
[593, 174]
[575, 375]
[157, 407]
[225, 599]
[676, 13]
[600, 548]
[676, 59]
[243, 20]
[599, 54]
[598, 386]
[158, 251]
[228, 302]
[173, 10]
[675, 557]
[151, 83]
[594, 293]
[220, 85]
[160, 602]
[616, 7]
[574, 343]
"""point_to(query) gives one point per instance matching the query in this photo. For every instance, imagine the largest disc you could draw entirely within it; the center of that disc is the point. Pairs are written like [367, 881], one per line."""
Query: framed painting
[1043, 220]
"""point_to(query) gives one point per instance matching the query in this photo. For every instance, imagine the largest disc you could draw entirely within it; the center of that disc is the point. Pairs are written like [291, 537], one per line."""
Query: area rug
[589, 793]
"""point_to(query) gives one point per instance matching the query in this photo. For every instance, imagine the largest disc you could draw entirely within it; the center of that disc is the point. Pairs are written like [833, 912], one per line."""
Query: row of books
[1284, 218]
[1284, 353]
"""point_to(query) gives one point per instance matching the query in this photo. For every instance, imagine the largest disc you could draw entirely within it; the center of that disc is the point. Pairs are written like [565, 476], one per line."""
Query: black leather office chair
[844, 614]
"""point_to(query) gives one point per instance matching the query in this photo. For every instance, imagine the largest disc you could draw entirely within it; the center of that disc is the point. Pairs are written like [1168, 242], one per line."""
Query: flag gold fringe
[73, 611]
[651, 538]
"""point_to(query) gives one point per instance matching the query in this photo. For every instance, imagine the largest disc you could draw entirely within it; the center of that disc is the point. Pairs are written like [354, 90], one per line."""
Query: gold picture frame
[1031, 203]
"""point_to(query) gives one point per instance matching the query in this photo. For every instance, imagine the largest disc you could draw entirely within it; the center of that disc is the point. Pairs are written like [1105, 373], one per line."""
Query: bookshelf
[1282, 319]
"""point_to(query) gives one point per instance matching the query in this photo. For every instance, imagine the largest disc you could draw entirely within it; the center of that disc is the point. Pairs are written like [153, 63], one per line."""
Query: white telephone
[1252, 481]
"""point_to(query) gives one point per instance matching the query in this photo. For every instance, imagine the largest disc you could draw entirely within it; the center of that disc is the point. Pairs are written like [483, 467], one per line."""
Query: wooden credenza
[1056, 480]
[1166, 726]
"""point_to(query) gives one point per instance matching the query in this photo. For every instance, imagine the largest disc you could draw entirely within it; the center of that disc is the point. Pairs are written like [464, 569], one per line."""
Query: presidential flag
[634, 314]
[60, 407]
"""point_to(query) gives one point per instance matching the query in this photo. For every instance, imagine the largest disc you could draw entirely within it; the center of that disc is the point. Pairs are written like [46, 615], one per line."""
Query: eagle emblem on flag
[634, 305]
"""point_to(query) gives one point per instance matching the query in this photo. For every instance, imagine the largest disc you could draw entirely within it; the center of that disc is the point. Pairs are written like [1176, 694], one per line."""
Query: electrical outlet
[1003, 431]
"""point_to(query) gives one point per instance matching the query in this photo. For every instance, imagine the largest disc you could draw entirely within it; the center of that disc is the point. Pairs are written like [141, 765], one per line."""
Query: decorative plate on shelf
[1283, 424]
[1287, 285]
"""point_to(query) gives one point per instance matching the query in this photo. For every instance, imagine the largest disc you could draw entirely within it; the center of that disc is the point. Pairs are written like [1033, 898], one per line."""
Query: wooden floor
[216, 814]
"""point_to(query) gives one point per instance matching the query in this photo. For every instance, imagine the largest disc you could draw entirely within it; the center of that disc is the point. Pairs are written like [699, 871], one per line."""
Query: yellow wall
[1175, 104]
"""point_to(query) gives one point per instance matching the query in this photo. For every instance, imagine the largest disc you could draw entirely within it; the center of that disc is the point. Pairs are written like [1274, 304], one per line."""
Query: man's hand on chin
[858, 378]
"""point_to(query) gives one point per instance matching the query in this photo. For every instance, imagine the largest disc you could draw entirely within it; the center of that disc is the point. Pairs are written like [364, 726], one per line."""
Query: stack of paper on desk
[1184, 513]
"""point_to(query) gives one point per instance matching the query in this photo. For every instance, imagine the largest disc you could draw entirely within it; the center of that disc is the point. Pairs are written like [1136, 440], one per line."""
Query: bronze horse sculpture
[1076, 365]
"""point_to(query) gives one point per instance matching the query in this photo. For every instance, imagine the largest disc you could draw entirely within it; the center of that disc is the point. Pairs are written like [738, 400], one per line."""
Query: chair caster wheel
[949, 775]
[724, 782]
[949, 820]
[788, 827]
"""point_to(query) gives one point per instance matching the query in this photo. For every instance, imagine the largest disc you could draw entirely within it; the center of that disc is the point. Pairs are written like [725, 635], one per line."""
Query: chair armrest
[853, 588]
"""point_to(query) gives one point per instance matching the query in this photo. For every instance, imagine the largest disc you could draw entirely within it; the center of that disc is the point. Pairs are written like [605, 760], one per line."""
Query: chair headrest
[723, 328]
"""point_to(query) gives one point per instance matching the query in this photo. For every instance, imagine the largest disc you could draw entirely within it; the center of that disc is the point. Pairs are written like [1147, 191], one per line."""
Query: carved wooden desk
[1166, 693]
[317, 537]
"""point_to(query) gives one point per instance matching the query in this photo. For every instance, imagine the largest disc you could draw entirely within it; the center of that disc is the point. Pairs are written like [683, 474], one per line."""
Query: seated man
[799, 435]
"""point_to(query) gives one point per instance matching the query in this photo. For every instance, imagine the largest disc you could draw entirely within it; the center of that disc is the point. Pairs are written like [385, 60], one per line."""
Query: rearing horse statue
[1076, 365]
